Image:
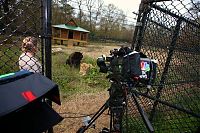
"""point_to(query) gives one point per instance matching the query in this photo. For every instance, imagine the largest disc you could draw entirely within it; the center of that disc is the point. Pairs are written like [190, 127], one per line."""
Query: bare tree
[61, 11]
[80, 15]
[90, 4]
[66, 9]
[99, 8]
[111, 20]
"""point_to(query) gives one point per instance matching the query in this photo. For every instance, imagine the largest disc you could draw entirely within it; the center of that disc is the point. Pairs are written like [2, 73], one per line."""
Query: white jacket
[29, 63]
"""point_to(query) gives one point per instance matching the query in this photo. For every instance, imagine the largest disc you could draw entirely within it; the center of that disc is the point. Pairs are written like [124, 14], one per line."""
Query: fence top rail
[176, 16]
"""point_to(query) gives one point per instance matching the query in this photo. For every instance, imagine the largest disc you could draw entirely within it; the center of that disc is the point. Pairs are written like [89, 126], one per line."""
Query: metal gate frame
[138, 41]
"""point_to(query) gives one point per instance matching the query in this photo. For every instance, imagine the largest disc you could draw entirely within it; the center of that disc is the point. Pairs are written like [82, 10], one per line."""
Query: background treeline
[105, 22]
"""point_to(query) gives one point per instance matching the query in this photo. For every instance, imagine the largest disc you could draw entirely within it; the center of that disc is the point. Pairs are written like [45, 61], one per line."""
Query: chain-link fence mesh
[166, 31]
[169, 32]
[18, 19]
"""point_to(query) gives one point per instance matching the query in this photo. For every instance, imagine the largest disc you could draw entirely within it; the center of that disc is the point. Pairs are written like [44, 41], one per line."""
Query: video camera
[124, 64]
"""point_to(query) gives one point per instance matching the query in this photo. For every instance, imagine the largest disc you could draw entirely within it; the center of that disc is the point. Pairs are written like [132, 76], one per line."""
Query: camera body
[126, 65]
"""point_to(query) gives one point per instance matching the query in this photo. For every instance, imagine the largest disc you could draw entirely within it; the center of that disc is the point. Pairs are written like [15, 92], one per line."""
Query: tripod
[117, 105]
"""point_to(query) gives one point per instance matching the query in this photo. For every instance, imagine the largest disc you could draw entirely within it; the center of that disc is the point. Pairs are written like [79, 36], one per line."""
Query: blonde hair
[29, 44]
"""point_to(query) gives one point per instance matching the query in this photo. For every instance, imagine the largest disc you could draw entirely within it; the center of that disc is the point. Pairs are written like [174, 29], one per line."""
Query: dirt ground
[87, 50]
[79, 106]
[76, 107]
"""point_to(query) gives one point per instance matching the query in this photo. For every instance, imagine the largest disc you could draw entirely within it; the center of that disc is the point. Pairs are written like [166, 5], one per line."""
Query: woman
[27, 60]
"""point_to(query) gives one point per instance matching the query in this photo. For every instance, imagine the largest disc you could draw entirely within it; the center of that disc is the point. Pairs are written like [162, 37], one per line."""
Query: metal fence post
[167, 64]
[47, 36]
[144, 9]
[47, 32]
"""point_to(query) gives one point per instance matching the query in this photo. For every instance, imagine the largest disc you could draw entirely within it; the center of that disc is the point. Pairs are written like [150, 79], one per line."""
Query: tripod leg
[111, 121]
[143, 115]
[116, 120]
[93, 119]
[116, 116]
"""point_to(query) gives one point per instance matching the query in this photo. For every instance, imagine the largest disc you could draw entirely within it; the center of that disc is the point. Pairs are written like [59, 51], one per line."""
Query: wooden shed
[69, 34]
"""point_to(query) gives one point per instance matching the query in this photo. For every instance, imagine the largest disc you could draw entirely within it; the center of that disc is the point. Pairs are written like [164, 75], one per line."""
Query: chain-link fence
[169, 32]
[20, 19]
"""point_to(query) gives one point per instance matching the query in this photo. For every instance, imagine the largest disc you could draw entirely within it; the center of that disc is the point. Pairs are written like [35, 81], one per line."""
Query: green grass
[71, 82]
[175, 121]
[133, 124]
[9, 58]
[178, 121]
